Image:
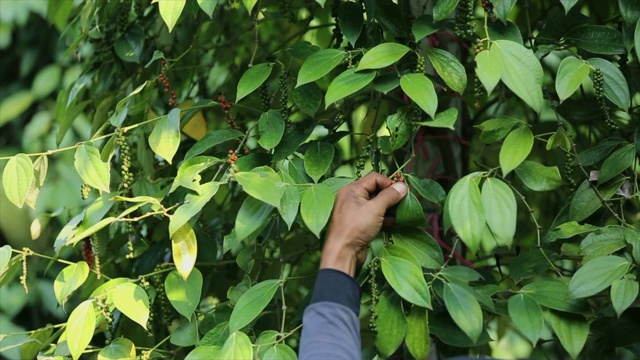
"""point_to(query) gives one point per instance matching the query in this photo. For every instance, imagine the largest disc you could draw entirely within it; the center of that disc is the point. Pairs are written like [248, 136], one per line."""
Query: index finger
[374, 182]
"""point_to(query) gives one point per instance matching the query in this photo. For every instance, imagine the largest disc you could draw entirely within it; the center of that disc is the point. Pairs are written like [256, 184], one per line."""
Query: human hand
[358, 215]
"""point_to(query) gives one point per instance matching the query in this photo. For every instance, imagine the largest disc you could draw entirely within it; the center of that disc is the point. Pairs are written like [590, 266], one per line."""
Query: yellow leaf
[196, 127]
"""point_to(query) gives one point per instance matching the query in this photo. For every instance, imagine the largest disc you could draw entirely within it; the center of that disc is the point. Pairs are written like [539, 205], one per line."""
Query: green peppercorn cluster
[568, 170]
[287, 11]
[598, 86]
[103, 307]
[362, 159]
[85, 190]
[264, 97]
[337, 33]
[375, 293]
[464, 28]
[478, 92]
[125, 160]
[161, 296]
[284, 96]
[130, 237]
[123, 19]
[419, 64]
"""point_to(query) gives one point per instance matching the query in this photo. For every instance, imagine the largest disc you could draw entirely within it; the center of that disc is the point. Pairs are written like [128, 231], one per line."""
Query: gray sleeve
[331, 327]
[330, 331]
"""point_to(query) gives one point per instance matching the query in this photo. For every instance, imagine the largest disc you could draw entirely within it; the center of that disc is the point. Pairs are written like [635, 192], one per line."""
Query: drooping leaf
[420, 89]
[317, 159]
[315, 207]
[170, 11]
[465, 209]
[571, 73]
[208, 6]
[527, 316]
[92, 170]
[347, 83]
[252, 303]
[617, 162]
[210, 140]
[572, 331]
[263, 184]
[132, 301]
[418, 337]
[489, 68]
[464, 309]
[118, 349]
[409, 212]
[252, 79]
[237, 346]
[184, 248]
[515, 149]
[568, 4]
[193, 204]
[280, 351]
[421, 245]
[538, 177]
[319, 64]
[521, 72]
[615, 85]
[623, 293]
[16, 178]
[597, 275]
[289, 204]
[449, 68]
[390, 323]
[500, 210]
[251, 217]
[184, 295]
[382, 55]
[270, 129]
[443, 8]
[165, 137]
[80, 325]
[406, 279]
[350, 20]
[70, 279]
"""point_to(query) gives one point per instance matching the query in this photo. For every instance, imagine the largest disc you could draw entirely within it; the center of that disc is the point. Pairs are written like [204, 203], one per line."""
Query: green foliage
[519, 144]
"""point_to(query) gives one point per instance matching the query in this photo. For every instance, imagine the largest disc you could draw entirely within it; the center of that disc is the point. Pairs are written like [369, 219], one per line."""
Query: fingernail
[400, 187]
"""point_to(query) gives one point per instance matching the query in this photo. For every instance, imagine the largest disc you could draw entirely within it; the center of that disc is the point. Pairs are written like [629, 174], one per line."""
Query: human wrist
[338, 256]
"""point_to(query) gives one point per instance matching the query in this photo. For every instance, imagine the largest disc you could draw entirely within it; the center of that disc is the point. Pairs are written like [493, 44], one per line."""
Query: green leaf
[427, 188]
[406, 279]
[572, 331]
[92, 170]
[594, 155]
[521, 72]
[464, 309]
[571, 73]
[118, 349]
[399, 126]
[500, 209]
[390, 323]
[409, 212]
[615, 85]
[263, 184]
[503, 8]
[618, 162]
[165, 137]
[129, 46]
[184, 248]
[14, 105]
[526, 315]
[308, 98]
[538, 177]
[204, 352]
[630, 11]
[444, 8]
[265, 341]
[423, 27]
[445, 119]
[210, 140]
[489, 68]
[553, 294]
[189, 172]
[16, 178]
[386, 82]
[350, 21]
[249, 5]
[467, 218]
[494, 130]
[420, 89]
[270, 129]
[46, 81]
[603, 241]
[280, 351]
[208, 6]
[422, 246]
[237, 346]
[289, 204]
[597, 275]
[193, 205]
[449, 68]
[319, 64]
[170, 11]
[5, 257]
[347, 83]
[598, 39]
[132, 301]
[568, 4]
[40, 168]
[515, 149]
[636, 43]
[382, 55]
[252, 215]
[315, 207]
[184, 295]
[80, 326]
[460, 274]
[185, 335]
[418, 337]
[317, 159]
[505, 31]
[252, 303]
[584, 203]
[69, 279]
[623, 293]
[217, 335]
[252, 79]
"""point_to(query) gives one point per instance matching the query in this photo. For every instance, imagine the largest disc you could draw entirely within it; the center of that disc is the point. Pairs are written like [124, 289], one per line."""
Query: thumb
[391, 195]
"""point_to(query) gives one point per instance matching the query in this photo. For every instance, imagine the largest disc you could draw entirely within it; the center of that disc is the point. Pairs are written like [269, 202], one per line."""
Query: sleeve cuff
[335, 286]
